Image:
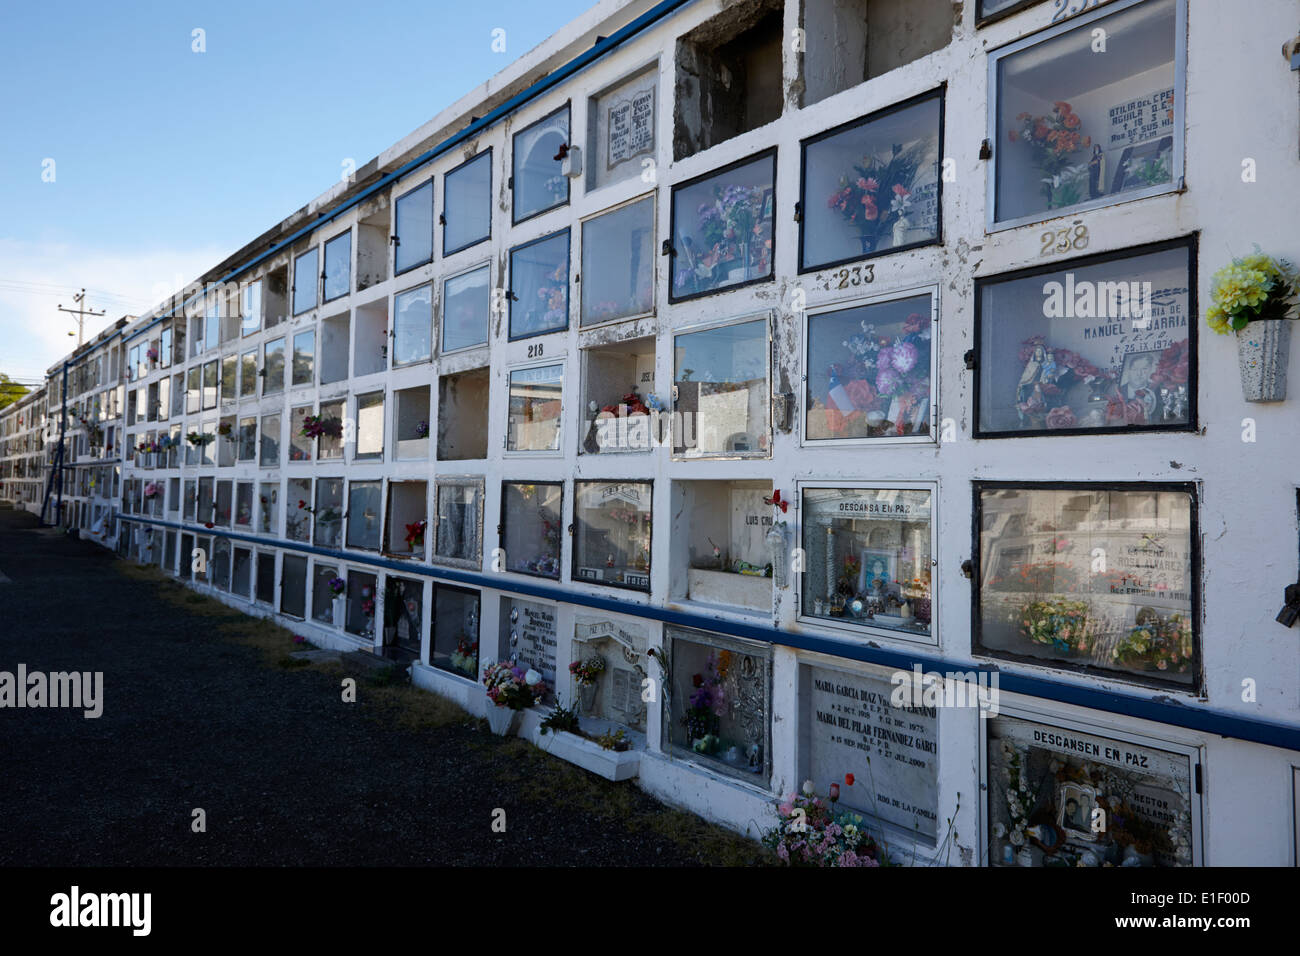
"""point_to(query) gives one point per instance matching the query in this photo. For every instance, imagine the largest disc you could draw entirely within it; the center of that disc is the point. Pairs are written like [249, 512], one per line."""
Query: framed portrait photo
[1074, 806]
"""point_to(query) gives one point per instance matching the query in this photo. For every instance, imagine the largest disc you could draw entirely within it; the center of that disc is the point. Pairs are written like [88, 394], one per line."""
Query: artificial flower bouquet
[1158, 643]
[317, 426]
[811, 832]
[509, 685]
[1057, 622]
[1021, 798]
[415, 534]
[708, 704]
[1055, 141]
[882, 387]
[587, 671]
[1250, 289]
[733, 230]
[877, 195]
[465, 657]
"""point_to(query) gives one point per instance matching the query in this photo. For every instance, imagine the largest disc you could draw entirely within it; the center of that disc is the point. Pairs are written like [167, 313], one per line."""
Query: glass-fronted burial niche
[722, 228]
[413, 224]
[850, 731]
[539, 182]
[611, 542]
[539, 286]
[1098, 577]
[534, 411]
[1096, 344]
[720, 391]
[528, 632]
[618, 259]
[1048, 786]
[403, 614]
[531, 517]
[872, 186]
[413, 325]
[467, 203]
[870, 369]
[466, 299]
[868, 557]
[718, 708]
[1075, 127]
[457, 537]
[608, 682]
[455, 630]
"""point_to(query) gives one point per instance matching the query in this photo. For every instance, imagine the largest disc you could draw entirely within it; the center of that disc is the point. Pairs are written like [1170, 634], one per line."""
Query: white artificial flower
[532, 678]
[1017, 837]
[808, 788]
[999, 830]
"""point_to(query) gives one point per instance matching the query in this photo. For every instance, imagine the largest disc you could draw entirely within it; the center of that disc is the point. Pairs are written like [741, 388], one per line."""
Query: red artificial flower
[207, 524]
[697, 680]
[776, 501]
[848, 779]
[835, 792]
[861, 394]
[301, 503]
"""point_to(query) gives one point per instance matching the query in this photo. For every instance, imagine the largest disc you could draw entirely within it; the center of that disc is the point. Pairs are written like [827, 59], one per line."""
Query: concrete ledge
[589, 755]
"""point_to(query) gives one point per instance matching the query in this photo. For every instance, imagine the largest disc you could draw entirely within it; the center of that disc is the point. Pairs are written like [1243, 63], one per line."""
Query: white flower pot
[500, 719]
[1263, 349]
[340, 609]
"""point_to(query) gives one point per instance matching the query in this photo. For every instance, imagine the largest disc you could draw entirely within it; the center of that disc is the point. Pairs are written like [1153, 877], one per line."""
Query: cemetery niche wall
[1062, 796]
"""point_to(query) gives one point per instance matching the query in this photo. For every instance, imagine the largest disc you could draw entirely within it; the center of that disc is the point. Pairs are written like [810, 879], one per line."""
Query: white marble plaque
[850, 720]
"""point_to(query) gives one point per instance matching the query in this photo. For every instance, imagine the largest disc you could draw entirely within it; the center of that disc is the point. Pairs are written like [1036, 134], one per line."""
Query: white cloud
[36, 277]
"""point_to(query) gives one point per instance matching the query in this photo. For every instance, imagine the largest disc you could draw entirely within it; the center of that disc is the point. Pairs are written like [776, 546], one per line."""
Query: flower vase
[500, 719]
[587, 698]
[339, 610]
[1263, 348]
[1024, 857]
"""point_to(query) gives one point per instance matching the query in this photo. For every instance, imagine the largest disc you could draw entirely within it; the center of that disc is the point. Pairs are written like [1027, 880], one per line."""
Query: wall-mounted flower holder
[1263, 351]
[1257, 297]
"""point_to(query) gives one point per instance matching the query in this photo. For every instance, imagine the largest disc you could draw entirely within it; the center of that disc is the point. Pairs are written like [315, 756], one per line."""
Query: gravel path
[286, 773]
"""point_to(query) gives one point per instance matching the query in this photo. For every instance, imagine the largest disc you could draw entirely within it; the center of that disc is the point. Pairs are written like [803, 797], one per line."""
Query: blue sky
[167, 160]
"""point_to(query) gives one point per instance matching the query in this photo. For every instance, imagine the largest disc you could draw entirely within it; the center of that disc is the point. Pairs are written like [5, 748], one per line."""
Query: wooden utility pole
[81, 312]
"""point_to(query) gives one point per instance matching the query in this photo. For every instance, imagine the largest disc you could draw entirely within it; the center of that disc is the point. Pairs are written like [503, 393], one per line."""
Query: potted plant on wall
[1256, 296]
[510, 689]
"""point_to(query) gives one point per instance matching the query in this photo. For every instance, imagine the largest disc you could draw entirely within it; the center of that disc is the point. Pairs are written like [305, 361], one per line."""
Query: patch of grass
[515, 763]
[410, 708]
